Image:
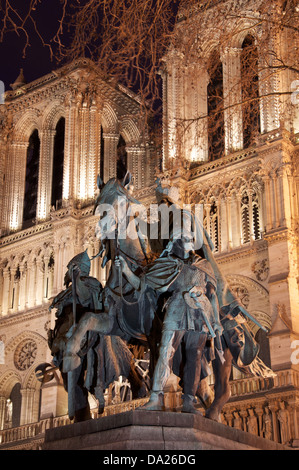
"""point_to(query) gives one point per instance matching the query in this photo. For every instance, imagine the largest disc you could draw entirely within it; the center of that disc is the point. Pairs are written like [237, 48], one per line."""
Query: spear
[71, 374]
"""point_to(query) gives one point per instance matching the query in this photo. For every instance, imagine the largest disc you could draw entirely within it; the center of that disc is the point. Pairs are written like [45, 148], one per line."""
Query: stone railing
[34, 432]
[266, 407]
[253, 385]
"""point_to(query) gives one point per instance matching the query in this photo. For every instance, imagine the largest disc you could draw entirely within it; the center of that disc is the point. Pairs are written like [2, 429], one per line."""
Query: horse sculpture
[127, 314]
[137, 316]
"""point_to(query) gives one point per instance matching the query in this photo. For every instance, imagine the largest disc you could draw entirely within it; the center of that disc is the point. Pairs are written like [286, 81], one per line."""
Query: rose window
[25, 354]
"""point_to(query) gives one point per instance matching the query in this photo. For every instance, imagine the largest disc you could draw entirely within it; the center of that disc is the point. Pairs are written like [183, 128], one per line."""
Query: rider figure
[190, 281]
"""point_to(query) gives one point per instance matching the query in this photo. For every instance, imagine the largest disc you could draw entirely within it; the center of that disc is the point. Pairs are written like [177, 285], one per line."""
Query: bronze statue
[190, 317]
[171, 294]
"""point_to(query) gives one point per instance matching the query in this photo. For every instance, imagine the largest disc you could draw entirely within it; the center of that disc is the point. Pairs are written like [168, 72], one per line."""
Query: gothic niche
[25, 354]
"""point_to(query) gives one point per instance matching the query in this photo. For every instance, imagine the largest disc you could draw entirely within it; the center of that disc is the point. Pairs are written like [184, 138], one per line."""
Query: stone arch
[109, 119]
[242, 28]
[7, 381]
[255, 182]
[216, 192]
[26, 125]
[130, 131]
[258, 302]
[237, 186]
[209, 46]
[52, 114]
[251, 283]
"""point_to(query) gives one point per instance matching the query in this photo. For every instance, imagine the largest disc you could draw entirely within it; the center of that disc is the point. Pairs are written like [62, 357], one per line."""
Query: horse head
[116, 227]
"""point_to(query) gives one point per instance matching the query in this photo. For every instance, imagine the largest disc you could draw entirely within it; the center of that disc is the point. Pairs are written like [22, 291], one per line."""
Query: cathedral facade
[59, 132]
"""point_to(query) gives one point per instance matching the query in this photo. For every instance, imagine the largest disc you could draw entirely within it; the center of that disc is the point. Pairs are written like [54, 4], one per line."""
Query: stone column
[259, 411]
[294, 405]
[110, 155]
[273, 408]
[70, 154]
[27, 406]
[81, 191]
[229, 223]
[269, 88]
[244, 415]
[5, 293]
[232, 92]
[195, 112]
[92, 152]
[40, 274]
[21, 304]
[16, 177]
[11, 287]
[2, 411]
[172, 98]
[45, 174]
[136, 165]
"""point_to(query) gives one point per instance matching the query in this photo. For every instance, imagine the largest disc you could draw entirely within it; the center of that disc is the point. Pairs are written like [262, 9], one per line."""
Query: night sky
[37, 61]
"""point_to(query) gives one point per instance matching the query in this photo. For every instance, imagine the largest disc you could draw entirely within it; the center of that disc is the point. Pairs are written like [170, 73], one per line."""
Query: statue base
[153, 430]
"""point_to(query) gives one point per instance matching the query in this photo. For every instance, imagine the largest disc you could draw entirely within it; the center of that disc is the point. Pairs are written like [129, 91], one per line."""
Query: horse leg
[221, 387]
[97, 322]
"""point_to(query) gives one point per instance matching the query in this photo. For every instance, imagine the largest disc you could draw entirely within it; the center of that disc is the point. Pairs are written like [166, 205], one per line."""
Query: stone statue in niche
[150, 283]
[252, 424]
[237, 421]
[267, 424]
[284, 423]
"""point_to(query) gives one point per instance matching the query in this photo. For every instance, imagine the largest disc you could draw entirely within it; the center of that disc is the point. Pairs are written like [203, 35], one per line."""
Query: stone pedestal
[153, 430]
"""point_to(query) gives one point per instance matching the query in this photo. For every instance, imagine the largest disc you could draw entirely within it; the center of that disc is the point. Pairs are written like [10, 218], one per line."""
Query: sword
[215, 336]
[236, 305]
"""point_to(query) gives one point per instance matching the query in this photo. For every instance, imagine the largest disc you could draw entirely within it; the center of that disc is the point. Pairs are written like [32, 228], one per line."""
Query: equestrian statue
[165, 294]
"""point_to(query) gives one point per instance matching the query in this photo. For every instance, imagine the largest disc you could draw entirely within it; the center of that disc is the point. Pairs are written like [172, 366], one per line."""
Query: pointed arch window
[215, 108]
[250, 91]
[58, 160]
[31, 180]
